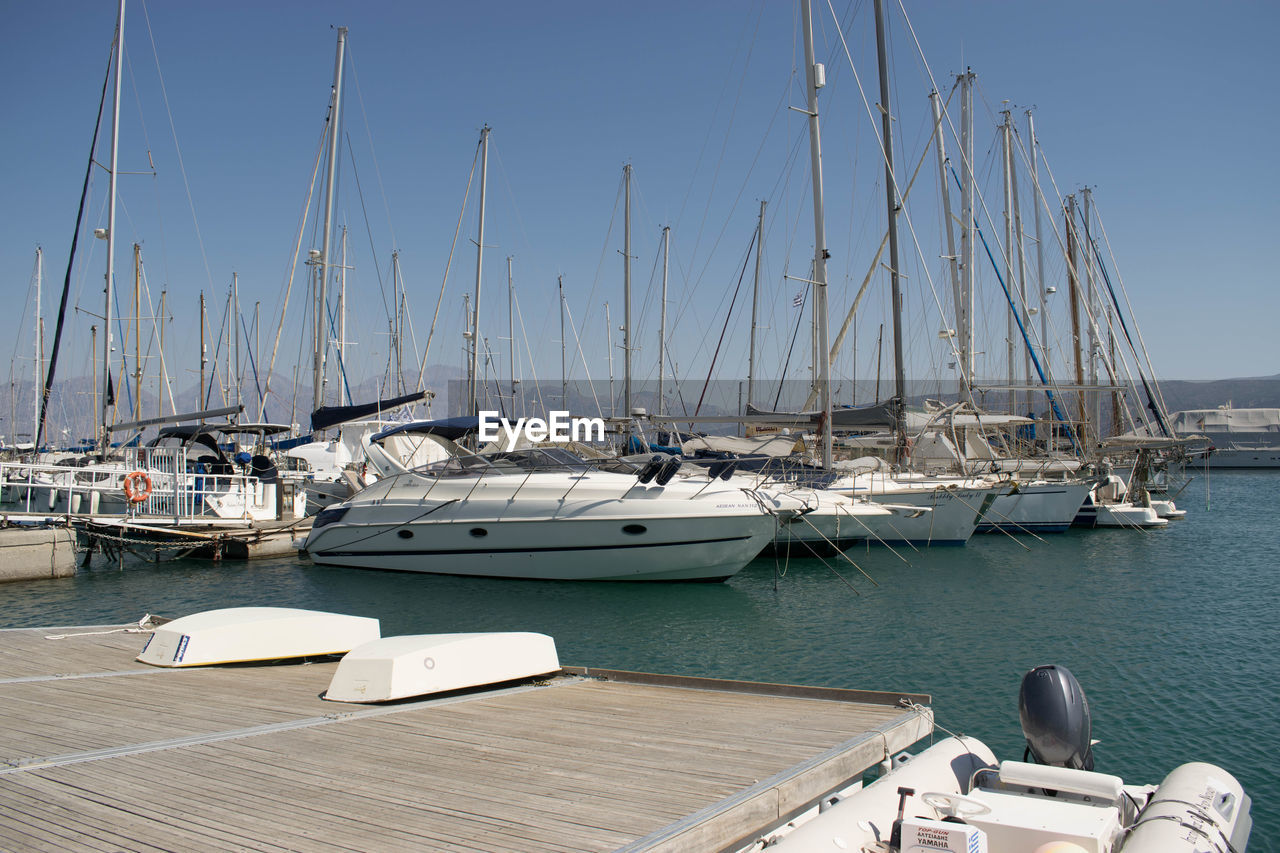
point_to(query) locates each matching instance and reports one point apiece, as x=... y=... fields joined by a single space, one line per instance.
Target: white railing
x=174 y=492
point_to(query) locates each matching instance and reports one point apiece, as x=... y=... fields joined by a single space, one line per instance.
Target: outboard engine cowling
x=1055 y=718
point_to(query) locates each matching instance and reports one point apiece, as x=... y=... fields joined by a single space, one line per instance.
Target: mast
x=39 y=344
x=323 y=262
x=1073 y=286
x=662 y=323
x=137 y=332
x=815 y=77
x=204 y=352
x=608 y=339
x=755 y=309
x=1044 y=296
x=1010 y=321
x=103 y=435
x=564 y=376
x=891 y=199
x=1022 y=277
x=626 y=294
x=164 y=372
x=1091 y=303
x=235 y=323
x=511 y=331
x=964 y=314
x=343 y=393
x=475 y=316
x=953 y=265
x=93 y=363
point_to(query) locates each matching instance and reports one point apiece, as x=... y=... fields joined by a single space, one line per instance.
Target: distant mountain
x=1254 y=393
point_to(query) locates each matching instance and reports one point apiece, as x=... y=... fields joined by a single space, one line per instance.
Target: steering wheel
x=954 y=805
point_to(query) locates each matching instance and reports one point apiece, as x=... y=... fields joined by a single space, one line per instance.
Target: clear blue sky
x=1166 y=110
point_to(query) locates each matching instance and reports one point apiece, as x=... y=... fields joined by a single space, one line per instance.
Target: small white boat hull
x=243 y=634
x=1047 y=507
x=399 y=667
x=1127 y=515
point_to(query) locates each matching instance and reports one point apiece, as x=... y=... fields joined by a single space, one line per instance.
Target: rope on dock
x=145 y=625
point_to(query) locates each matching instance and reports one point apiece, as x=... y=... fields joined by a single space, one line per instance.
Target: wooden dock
x=100 y=752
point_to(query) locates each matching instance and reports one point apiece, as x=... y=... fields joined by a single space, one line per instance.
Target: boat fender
x=1198 y=807
x=137 y=487
x=650 y=469
x=667 y=471
x=729 y=467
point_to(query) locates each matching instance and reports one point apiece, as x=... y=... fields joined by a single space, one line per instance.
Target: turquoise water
x=1172 y=633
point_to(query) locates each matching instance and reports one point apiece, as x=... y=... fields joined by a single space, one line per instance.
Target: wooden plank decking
x=100 y=752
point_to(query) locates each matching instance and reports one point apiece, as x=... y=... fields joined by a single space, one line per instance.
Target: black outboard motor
x=1055 y=718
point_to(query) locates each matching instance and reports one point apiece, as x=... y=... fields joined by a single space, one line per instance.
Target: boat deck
x=100 y=752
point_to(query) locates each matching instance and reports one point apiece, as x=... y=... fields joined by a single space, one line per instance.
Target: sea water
x=1174 y=633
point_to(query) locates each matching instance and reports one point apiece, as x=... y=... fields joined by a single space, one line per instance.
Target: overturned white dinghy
x=244 y=634
x=400 y=667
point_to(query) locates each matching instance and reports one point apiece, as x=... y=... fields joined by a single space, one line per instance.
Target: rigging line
x=791 y=349
x=529 y=352
x=368 y=230
x=253 y=363
x=582 y=358
x=1049 y=392
x=604 y=249
x=422 y=366
x=377 y=170
x=75 y=237
x=1137 y=329
x=728 y=316
x=331 y=319
x=182 y=167
x=706 y=140
x=293 y=267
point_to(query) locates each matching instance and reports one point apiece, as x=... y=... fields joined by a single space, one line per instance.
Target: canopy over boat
x=240 y=634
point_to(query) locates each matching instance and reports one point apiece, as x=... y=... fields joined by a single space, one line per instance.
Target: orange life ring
x=137 y=487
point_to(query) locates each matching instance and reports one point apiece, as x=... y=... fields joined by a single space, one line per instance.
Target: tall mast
x=474 y=371
x=137 y=332
x=235 y=322
x=1073 y=286
x=511 y=331
x=1044 y=296
x=1011 y=328
x=1091 y=303
x=964 y=314
x=204 y=352
x=39 y=344
x=662 y=323
x=564 y=376
x=343 y=395
x=891 y=199
x=1022 y=276
x=755 y=309
x=608 y=339
x=626 y=293
x=953 y=264
x=103 y=435
x=324 y=263
x=164 y=372
x=815 y=77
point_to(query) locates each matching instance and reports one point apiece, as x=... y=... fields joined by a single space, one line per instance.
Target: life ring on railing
x=137 y=487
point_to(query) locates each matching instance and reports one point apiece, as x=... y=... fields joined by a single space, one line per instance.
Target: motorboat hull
x=621 y=547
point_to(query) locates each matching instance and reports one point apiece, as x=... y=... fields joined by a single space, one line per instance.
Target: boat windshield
x=467 y=465
x=541 y=459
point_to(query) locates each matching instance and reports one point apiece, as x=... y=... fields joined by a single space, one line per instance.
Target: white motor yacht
x=543 y=513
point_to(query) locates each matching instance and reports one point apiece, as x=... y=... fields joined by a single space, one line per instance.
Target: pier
x=100 y=752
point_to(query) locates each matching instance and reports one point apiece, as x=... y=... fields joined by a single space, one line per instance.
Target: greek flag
x=798 y=300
